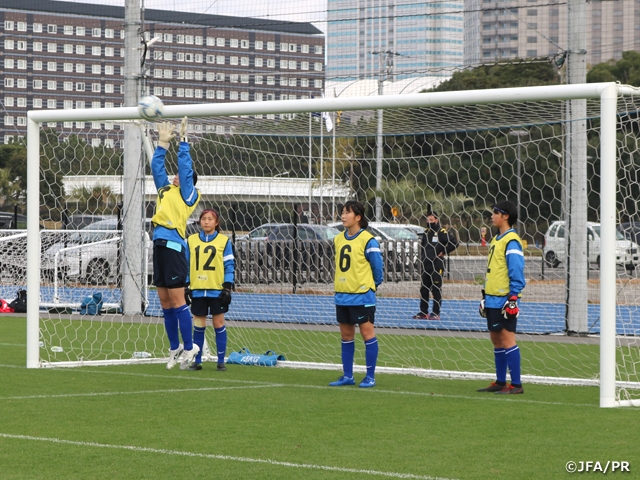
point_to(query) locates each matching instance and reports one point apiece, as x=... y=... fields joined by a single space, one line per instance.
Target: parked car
x=78 y=222
x=8 y=221
x=631 y=231
x=627 y=252
x=82 y=258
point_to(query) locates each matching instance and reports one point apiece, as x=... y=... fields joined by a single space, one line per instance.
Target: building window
x=52 y=66
x=8 y=25
x=532 y=53
x=168 y=74
x=8 y=101
x=21 y=83
x=96 y=32
x=167 y=38
x=52 y=47
x=233 y=78
x=96 y=88
x=271 y=45
x=52 y=85
x=179 y=56
x=317 y=66
x=211 y=41
x=168 y=56
x=37 y=84
x=37 y=28
x=168 y=91
x=52 y=103
x=304 y=48
x=233 y=60
x=284 y=81
x=37 y=65
x=233 y=95
x=80 y=104
x=532 y=39
x=8 y=120
x=293 y=82
x=109 y=33
x=233 y=43
x=109 y=70
x=220 y=94
x=180 y=74
x=257 y=97
x=79 y=49
x=211 y=59
x=284 y=47
x=292 y=64
x=96 y=51
x=68 y=29
x=258 y=45
x=52 y=28
x=220 y=59
x=8 y=44
x=179 y=38
x=188 y=39
x=108 y=51
x=244 y=43
x=244 y=61
x=271 y=63
x=219 y=42
x=188 y=92
x=157 y=91
x=188 y=75
x=8 y=63
x=67 y=67
x=80 y=31
x=67 y=86
x=108 y=88
x=258 y=80
x=199 y=39
x=67 y=48
x=95 y=104
x=244 y=78
x=210 y=94
x=219 y=77
x=211 y=76
x=80 y=125
x=96 y=69
x=304 y=65
x=317 y=83
x=95 y=142
x=532 y=12
x=293 y=47
x=179 y=92
x=37 y=46
x=197 y=93
x=80 y=86
x=258 y=62
x=198 y=57
x=271 y=80
x=37 y=103
x=188 y=57
x=22 y=121
x=318 y=49
x=108 y=142
x=21 y=102
x=21 y=45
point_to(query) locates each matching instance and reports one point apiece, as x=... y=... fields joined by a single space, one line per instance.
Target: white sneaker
x=174 y=355
x=188 y=356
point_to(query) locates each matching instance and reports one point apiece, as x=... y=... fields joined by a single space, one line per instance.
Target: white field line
x=485 y=397
x=221 y=457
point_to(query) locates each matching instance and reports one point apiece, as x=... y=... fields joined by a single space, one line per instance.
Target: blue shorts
x=170 y=267
x=203 y=306
x=496 y=321
x=355 y=315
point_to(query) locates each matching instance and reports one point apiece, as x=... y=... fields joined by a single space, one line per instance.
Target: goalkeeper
x=175 y=203
x=358 y=274
x=211 y=274
x=503 y=286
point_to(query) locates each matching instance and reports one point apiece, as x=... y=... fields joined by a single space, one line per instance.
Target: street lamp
x=519 y=134
x=283 y=174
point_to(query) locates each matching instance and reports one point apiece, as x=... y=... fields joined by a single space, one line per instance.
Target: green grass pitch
x=143 y=421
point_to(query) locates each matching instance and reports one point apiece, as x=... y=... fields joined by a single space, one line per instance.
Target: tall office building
x=413 y=38
x=525 y=29
x=70 y=55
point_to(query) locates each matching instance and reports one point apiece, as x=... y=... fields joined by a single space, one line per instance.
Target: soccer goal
x=567 y=155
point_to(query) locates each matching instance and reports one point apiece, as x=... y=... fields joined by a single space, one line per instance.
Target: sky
x=313 y=11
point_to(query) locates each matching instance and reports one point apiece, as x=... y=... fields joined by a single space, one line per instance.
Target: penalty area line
x=222 y=457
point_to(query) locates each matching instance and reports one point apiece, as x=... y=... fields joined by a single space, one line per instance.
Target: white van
x=627 y=252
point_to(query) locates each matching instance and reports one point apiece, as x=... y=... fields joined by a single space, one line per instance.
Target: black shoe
x=421 y=316
x=494 y=387
x=222 y=367
x=195 y=366
x=511 y=390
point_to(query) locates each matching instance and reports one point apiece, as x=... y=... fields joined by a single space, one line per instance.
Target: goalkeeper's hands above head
x=165 y=134
x=183 y=130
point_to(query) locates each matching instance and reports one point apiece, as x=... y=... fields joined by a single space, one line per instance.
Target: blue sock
x=501 y=365
x=198 y=339
x=171 y=326
x=186 y=326
x=221 y=342
x=348 y=351
x=371 y=356
x=513 y=360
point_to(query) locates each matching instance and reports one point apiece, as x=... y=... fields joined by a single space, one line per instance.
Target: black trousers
x=431 y=282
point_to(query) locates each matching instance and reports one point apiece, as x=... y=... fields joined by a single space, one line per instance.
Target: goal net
x=568 y=156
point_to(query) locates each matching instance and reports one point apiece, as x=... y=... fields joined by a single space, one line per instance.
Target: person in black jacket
x=436 y=243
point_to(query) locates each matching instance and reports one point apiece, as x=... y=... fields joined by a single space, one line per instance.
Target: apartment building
x=496 y=30
x=59 y=55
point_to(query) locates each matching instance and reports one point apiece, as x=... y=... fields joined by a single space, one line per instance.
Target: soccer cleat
x=343 y=381
x=195 y=366
x=221 y=367
x=494 y=387
x=188 y=356
x=421 y=316
x=367 y=382
x=433 y=316
x=510 y=390
x=174 y=355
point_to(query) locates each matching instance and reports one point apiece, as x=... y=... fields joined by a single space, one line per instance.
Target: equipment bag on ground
x=91 y=305
x=245 y=357
x=19 y=305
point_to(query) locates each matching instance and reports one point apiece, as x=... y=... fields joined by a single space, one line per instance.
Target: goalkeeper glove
x=481 y=309
x=165 y=134
x=225 y=294
x=183 y=130
x=188 y=295
x=510 y=309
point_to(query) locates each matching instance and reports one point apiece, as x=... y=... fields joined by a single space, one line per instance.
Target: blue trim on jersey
x=374 y=257
x=515 y=265
x=185 y=174
x=229 y=266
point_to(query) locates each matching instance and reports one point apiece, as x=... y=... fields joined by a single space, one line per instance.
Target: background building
x=521 y=28
x=70 y=55
x=422 y=38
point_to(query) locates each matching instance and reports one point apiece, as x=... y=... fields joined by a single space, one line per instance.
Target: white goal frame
x=607 y=93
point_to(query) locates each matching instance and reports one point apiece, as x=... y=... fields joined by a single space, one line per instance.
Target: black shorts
x=203 y=306
x=170 y=267
x=496 y=321
x=355 y=315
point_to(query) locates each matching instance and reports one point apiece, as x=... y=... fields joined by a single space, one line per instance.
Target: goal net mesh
x=264 y=173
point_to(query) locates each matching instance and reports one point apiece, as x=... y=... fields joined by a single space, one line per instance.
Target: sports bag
x=91 y=305
x=245 y=357
x=4 y=307
x=19 y=305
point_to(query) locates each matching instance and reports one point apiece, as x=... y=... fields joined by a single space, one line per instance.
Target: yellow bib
x=206 y=269
x=497 y=279
x=353 y=271
x=171 y=211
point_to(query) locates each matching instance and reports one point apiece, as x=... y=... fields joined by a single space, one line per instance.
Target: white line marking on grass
x=222 y=457
x=138 y=392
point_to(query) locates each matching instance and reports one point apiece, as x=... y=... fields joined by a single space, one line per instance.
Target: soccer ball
x=151 y=107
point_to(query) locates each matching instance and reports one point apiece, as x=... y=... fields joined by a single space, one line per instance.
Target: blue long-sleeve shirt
x=229 y=266
x=374 y=257
x=515 y=266
x=188 y=190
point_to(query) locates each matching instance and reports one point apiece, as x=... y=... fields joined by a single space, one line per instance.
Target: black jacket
x=433 y=244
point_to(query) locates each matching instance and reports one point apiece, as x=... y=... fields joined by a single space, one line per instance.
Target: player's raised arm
x=158 y=169
x=185 y=167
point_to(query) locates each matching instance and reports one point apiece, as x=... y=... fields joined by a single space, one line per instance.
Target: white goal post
x=606 y=93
